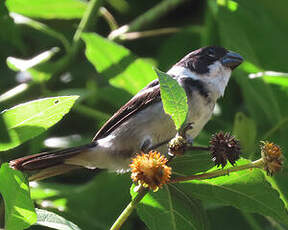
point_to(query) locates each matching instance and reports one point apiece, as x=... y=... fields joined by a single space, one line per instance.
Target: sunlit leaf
x=117 y=64
x=48 y=9
x=28 y=120
x=19 y=208
x=174 y=98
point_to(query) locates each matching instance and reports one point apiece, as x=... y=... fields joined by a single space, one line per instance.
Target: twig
x=147 y=33
x=256 y=164
x=148 y=17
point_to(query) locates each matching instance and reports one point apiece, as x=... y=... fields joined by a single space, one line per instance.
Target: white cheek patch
x=182 y=71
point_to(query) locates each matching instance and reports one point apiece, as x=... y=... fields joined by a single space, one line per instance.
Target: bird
x=142 y=122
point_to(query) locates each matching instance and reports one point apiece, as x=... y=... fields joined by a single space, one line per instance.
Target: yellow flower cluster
x=150 y=170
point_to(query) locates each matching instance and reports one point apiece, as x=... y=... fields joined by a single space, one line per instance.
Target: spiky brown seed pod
x=150 y=170
x=272 y=156
x=177 y=146
x=223 y=147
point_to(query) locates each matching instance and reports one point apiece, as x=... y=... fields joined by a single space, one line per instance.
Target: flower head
x=177 y=146
x=224 y=147
x=272 y=156
x=150 y=170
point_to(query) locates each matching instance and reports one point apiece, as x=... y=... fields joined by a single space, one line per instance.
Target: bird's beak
x=231 y=60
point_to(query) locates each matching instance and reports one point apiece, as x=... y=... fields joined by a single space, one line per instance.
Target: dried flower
x=150 y=170
x=177 y=145
x=272 y=156
x=224 y=147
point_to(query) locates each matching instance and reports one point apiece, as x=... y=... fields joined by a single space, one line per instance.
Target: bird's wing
x=147 y=96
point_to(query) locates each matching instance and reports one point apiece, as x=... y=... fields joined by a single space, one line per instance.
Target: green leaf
x=174 y=98
x=117 y=64
x=48 y=9
x=171 y=208
x=247 y=190
x=191 y=162
x=28 y=120
x=245 y=130
x=19 y=208
x=52 y=220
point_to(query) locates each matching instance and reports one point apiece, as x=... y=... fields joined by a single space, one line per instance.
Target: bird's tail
x=47 y=164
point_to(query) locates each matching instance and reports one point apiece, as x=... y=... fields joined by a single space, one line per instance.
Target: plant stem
x=148 y=17
x=129 y=208
x=255 y=164
x=92 y=8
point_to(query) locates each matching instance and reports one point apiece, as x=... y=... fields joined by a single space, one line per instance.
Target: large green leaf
x=48 y=9
x=174 y=98
x=247 y=190
x=191 y=162
x=171 y=208
x=28 y=120
x=52 y=220
x=117 y=63
x=19 y=208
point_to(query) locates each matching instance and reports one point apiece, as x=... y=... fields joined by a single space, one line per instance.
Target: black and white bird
x=142 y=122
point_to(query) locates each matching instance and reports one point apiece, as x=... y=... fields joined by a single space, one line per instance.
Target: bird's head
x=211 y=64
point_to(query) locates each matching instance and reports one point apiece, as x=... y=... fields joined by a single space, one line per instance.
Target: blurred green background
x=255 y=106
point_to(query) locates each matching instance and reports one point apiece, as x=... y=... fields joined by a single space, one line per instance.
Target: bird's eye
x=211 y=53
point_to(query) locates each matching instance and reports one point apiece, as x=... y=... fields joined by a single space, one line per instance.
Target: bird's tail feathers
x=49 y=163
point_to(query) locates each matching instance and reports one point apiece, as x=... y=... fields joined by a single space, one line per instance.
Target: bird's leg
x=184 y=133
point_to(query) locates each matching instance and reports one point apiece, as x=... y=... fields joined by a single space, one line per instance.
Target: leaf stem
x=129 y=208
x=221 y=172
x=148 y=17
x=109 y=18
